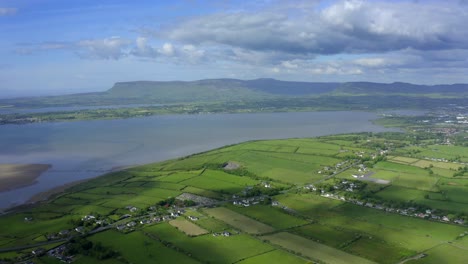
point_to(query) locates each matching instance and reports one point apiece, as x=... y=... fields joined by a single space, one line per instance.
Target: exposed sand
x=13 y=176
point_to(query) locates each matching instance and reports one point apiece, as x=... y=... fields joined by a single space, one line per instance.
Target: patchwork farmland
x=288 y=201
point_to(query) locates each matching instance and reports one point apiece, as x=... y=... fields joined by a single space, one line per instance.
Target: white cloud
x=372 y=62
x=167 y=49
x=289 y=64
x=107 y=48
x=351 y=26
x=143 y=49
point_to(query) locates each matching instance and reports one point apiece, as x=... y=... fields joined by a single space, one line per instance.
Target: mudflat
x=13 y=176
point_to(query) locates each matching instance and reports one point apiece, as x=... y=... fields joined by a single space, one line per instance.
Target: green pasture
x=221 y=249
x=310 y=205
x=269 y=215
x=135 y=247
x=275 y=256
x=372 y=248
x=313 y=250
x=202 y=192
x=179 y=176
x=332 y=236
x=239 y=221
x=444 y=253
x=401 y=168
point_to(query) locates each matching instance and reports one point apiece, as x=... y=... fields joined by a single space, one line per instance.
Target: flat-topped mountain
x=217 y=90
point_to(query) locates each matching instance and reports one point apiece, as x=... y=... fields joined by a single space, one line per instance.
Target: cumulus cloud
x=143 y=49
x=344 y=37
x=352 y=26
x=348 y=38
x=185 y=52
x=375 y=62
x=107 y=48
x=7 y=11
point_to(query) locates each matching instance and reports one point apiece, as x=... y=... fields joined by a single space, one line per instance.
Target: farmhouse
x=64 y=232
x=88 y=218
x=38 y=252
x=193 y=218
x=174 y=214
x=145 y=221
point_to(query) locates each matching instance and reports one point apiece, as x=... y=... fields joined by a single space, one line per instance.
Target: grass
x=331 y=236
x=179 y=176
x=187 y=227
x=276 y=256
x=211 y=224
x=443 y=254
x=219 y=181
x=269 y=215
x=374 y=249
x=208 y=248
x=239 y=221
x=406 y=160
x=135 y=247
x=315 y=227
x=202 y=192
x=313 y=250
x=310 y=205
x=434 y=200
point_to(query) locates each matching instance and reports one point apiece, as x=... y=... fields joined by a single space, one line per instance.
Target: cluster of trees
x=258 y=190
x=80 y=245
x=461 y=171
x=173 y=201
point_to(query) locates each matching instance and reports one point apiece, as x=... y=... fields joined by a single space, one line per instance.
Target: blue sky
x=61 y=46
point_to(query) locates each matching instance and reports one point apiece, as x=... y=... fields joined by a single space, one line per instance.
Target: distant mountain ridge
x=216 y=90
x=272 y=86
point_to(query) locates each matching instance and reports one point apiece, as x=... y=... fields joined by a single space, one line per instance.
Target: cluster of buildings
x=410 y=211
x=153 y=219
x=224 y=233
x=247 y=201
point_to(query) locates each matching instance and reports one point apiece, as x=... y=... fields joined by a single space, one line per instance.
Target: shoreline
x=54 y=192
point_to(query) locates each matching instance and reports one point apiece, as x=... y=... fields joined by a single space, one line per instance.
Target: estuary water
x=85 y=149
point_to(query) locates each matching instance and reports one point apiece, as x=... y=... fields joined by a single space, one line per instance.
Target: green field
x=239 y=221
x=276 y=256
x=274 y=217
x=221 y=249
x=138 y=248
x=286 y=222
x=187 y=227
x=313 y=250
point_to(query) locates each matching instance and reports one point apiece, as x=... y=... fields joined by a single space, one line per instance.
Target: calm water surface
x=85 y=149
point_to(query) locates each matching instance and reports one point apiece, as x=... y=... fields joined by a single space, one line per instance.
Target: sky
x=60 y=46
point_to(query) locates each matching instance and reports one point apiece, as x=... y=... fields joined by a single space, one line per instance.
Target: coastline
x=44 y=196
x=156 y=152
x=54 y=192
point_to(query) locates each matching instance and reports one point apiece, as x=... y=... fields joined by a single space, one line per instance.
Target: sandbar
x=14 y=176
